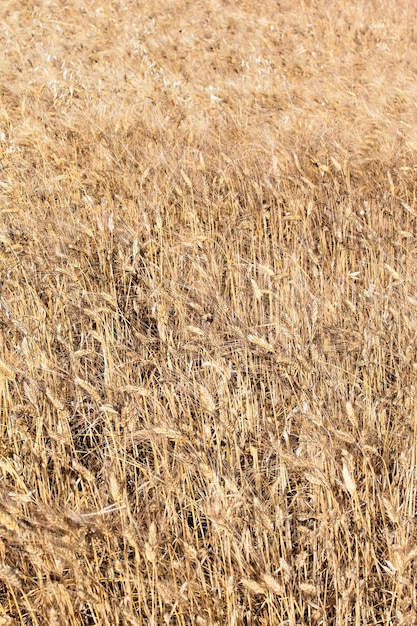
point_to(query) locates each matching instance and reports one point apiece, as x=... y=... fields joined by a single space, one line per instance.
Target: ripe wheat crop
x=208 y=308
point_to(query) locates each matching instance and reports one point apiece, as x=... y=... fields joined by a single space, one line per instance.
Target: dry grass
x=208 y=313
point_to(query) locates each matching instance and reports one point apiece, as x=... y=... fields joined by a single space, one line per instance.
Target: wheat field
x=208 y=308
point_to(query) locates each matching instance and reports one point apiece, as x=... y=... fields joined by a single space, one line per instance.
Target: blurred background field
x=208 y=308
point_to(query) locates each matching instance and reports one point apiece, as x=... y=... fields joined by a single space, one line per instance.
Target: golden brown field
x=208 y=312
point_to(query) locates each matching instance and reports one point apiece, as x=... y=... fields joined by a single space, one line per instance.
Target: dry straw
x=208 y=313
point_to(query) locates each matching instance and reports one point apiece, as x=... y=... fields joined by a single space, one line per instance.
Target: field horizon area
x=208 y=308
